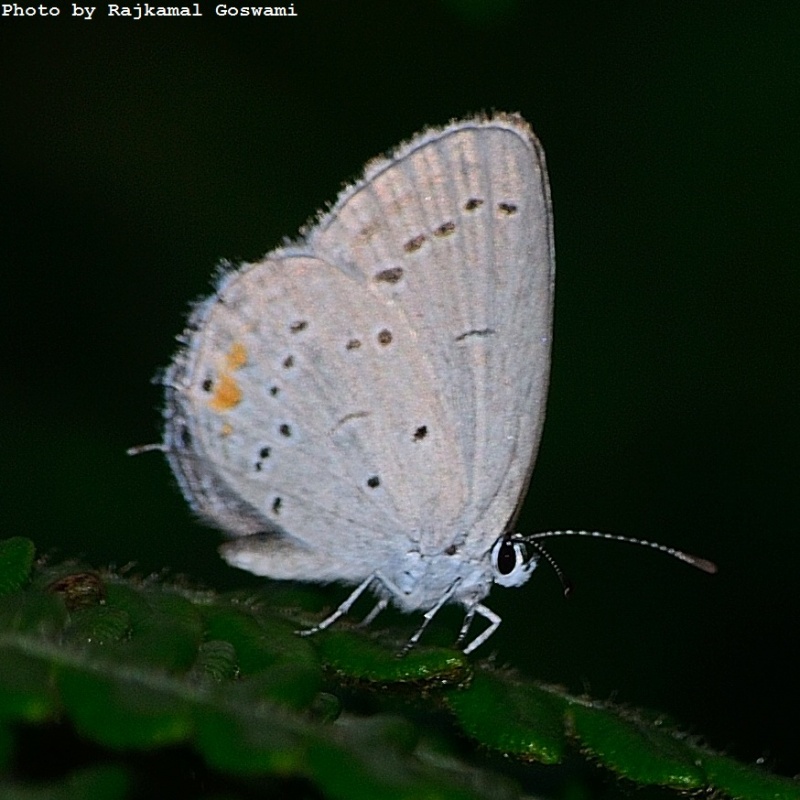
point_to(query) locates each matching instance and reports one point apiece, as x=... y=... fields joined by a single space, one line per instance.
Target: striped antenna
x=695 y=561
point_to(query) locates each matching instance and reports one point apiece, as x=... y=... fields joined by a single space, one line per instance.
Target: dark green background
x=135 y=155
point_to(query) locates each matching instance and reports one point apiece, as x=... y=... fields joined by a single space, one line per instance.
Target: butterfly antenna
x=695 y=561
x=566 y=583
x=145 y=448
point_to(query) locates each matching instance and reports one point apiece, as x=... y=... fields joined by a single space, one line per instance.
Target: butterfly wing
x=383 y=381
x=456 y=232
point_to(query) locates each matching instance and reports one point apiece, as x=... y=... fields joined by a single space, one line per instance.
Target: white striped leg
x=343 y=608
x=379 y=606
x=494 y=623
x=427 y=617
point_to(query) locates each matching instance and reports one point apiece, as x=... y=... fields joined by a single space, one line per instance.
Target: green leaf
x=140 y=666
x=26 y=691
x=736 y=780
x=354 y=655
x=125 y=707
x=512 y=716
x=636 y=749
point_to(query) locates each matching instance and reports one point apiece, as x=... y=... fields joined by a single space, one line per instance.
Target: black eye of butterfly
x=507 y=557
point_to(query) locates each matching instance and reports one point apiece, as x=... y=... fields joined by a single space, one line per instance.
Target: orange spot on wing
x=237 y=356
x=227 y=394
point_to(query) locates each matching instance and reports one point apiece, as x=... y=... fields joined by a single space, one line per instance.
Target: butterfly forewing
x=457 y=233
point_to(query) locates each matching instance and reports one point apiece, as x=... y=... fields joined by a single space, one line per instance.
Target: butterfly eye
x=511 y=563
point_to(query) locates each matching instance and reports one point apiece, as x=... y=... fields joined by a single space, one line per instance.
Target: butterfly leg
x=462 y=634
x=379 y=606
x=486 y=613
x=343 y=608
x=427 y=617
